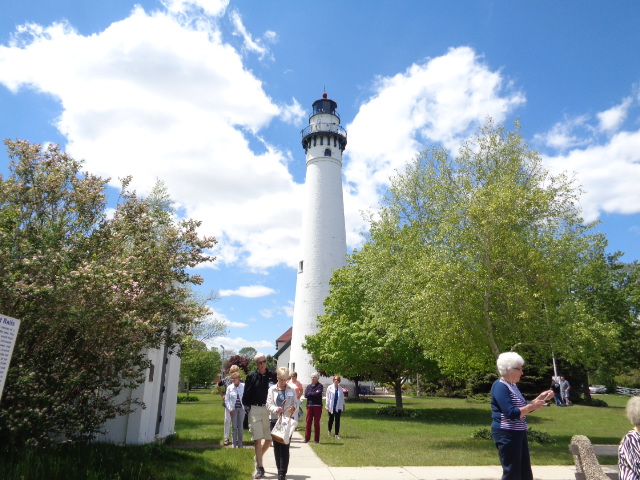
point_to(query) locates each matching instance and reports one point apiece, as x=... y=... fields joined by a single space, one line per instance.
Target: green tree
x=248 y=352
x=364 y=332
x=199 y=366
x=92 y=292
x=492 y=241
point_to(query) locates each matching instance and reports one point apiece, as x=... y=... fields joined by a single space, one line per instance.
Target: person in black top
x=313 y=394
x=256 y=387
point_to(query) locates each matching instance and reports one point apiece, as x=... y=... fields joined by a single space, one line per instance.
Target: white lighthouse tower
x=323 y=242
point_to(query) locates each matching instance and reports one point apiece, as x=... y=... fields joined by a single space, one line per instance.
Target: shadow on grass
x=99 y=462
x=428 y=416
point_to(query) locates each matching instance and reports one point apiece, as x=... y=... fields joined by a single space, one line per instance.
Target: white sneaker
x=338 y=438
x=329 y=433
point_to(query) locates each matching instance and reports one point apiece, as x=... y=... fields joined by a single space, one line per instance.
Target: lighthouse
x=323 y=240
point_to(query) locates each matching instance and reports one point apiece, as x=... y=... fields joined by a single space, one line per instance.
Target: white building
x=323 y=240
x=159 y=392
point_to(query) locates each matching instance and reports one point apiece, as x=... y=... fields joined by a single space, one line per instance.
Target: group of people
x=561 y=391
x=265 y=396
x=509 y=428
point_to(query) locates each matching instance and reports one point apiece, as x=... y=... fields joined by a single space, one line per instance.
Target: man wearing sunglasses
x=256 y=388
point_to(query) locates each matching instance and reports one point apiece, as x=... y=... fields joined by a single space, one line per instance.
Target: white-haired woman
x=629 y=449
x=509 y=410
x=282 y=400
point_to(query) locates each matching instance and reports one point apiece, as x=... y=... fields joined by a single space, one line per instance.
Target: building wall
x=139 y=427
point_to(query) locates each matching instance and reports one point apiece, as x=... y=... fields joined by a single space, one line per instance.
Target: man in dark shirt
x=256 y=387
x=313 y=394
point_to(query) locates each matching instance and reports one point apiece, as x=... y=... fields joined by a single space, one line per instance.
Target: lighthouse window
x=327 y=153
x=300 y=264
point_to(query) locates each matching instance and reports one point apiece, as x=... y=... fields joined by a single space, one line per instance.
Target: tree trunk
x=397 y=386
x=357 y=389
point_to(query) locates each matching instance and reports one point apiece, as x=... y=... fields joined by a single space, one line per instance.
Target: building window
x=327 y=153
x=151 y=372
x=300 y=265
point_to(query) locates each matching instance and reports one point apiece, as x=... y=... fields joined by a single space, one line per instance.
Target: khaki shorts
x=259 y=423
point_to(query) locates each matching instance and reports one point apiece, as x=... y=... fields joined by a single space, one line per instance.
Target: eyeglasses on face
x=517 y=368
x=261 y=362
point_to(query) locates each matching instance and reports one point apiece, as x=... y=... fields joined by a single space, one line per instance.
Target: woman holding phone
x=509 y=411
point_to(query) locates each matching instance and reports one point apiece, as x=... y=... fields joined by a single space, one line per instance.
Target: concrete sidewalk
x=305 y=465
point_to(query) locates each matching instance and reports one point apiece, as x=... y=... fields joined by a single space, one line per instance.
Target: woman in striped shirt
x=509 y=410
x=629 y=449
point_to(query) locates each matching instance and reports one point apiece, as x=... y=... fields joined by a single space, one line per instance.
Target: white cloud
x=221 y=317
x=565 y=134
x=249 y=43
x=611 y=120
x=158 y=96
x=293 y=113
x=210 y=7
x=155 y=96
x=442 y=100
x=253 y=291
x=287 y=310
x=609 y=173
x=238 y=343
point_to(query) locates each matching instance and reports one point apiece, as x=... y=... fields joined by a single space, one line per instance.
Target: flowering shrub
x=92 y=292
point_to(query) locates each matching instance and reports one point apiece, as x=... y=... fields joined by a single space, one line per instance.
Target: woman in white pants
x=233 y=404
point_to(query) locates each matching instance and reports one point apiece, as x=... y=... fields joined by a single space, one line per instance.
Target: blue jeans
x=513 y=450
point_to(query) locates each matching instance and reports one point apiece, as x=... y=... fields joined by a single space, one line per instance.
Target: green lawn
x=441 y=435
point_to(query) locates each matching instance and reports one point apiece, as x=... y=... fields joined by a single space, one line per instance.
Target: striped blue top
x=629 y=456
x=506 y=401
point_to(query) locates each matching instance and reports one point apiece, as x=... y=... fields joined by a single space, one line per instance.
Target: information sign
x=8 y=333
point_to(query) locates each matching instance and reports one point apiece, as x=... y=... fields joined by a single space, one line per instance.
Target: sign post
x=8 y=333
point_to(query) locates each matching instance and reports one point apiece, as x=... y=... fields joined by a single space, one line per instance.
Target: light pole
x=222 y=363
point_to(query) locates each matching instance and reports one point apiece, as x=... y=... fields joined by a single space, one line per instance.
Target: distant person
x=233 y=403
x=313 y=394
x=629 y=449
x=557 y=392
x=298 y=388
x=225 y=382
x=565 y=388
x=335 y=404
x=256 y=389
x=282 y=400
x=509 y=410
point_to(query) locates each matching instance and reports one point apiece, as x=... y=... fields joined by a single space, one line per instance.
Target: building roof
x=286 y=336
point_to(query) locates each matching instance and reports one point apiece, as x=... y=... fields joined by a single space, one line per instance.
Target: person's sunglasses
x=263 y=361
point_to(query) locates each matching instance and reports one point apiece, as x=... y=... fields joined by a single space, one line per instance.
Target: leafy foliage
x=199 y=367
x=188 y=398
x=543 y=438
x=92 y=291
x=494 y=245
x=391 y=411
x=241 y=361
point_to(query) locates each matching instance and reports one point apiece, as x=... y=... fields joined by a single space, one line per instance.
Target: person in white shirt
x=233 y=404
x=335 y=404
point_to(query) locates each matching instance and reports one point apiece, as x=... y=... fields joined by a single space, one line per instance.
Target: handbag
x=283 y=429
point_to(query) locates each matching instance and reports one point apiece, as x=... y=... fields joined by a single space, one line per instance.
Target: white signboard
x=8 y=333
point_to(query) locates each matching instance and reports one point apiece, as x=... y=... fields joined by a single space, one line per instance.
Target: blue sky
x=210 y=96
